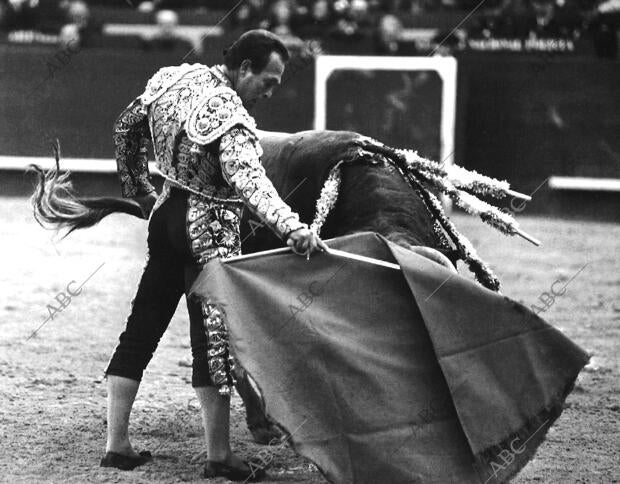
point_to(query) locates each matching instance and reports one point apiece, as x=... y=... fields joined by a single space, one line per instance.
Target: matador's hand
x=305 y=242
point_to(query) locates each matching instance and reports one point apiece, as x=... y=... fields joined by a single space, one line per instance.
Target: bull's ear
x=245 y=67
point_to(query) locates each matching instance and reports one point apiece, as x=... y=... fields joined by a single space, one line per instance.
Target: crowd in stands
x=521 y=18
x=49 y=21
x=67 y=21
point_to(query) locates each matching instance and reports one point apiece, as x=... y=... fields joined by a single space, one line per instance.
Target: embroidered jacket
x=204 y=141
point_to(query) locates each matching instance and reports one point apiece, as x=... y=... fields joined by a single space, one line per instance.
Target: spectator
x=147 y=7
x=249 y=15
x=555 y=21
x=387 y=37
x=569 y=18
x=523 y=19
x=359 y=10
x=319 y=20
x=280 y=19
x=150 y=6
x=69 y=36
x=20 y=15
x=352 y=17
x=44 y=16
x=544 y=15
x=515 y=19
x=321 y=11
x=167 y=37
x=604 y=27
x=80 y=26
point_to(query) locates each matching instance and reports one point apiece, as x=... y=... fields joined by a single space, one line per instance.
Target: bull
x=375 y=195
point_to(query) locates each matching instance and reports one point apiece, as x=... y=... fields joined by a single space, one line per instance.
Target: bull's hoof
x=269 y=435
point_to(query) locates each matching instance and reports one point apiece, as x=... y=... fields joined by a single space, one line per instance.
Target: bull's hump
x=307 y=154
x=322 y=136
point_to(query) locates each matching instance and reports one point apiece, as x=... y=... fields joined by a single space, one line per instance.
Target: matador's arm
x=242 y=169
x=131 y=138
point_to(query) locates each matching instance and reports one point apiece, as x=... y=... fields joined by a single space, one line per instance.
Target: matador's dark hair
x=257 y=46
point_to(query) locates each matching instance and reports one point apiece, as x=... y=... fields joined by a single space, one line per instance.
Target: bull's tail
x=55 y=205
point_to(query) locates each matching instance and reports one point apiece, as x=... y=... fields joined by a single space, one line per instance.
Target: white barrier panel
x=102 y=165
x=584 y=183
x=77 y=165
x=445 y=67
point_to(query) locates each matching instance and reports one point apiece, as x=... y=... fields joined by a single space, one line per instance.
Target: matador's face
x=253 y=86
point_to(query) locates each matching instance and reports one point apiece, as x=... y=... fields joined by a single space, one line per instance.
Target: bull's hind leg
x=262 y=429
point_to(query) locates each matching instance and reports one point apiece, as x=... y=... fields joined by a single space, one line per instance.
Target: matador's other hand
x=305 y=242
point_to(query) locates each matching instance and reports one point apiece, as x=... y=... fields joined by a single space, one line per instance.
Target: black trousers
x=170 y=270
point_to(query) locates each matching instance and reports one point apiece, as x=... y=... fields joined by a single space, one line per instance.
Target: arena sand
x=52 y=394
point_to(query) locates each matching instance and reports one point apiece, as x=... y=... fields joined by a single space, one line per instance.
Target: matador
x=206 y=148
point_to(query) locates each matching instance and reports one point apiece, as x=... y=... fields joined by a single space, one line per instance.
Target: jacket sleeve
x=131 y=138
x=241 y=167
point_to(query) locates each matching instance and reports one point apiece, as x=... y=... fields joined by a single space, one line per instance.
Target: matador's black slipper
x=125 y=462
x=253 y=473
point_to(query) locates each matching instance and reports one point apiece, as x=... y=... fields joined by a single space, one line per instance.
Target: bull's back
x=297 y=164
x=372 y=197
x=375 y=198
